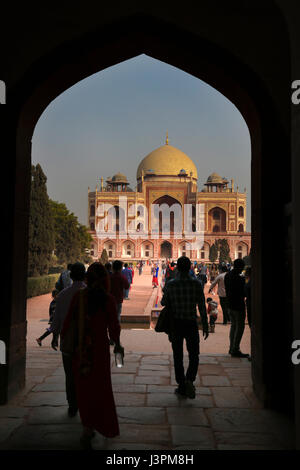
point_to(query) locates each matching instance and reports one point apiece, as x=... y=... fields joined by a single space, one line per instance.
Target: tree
x=104 y=257
x=41 y=232
x=224 y=251
x=71 y=238
x=213 y=253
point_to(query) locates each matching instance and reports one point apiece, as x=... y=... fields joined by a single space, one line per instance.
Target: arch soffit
x=222 y=207
x=171 y=44
x=147 y=242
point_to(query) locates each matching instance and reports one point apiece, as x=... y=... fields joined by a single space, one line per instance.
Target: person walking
x=118 y=285
x=171 y=272
x=128 y=274
x=234 y=286
x=63 y=301
x=202 y=274
x=221 y=293
x=181 y=297
x=64 y=279
x=213 y=272
x=93 y=313
x=51 y=314
x=155 y=276
x=140 y=266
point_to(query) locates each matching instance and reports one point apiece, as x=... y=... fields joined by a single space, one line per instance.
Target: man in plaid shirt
x=181 y=296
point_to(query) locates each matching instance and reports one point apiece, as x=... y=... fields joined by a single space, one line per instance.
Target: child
x=212 y=310
x=51 y=313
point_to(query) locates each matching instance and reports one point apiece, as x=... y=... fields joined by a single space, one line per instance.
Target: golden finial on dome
x=167 y=139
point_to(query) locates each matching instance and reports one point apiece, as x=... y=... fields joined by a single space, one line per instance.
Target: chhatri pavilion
x=131 y=225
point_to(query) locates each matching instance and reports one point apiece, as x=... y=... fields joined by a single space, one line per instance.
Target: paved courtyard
x=224 y=415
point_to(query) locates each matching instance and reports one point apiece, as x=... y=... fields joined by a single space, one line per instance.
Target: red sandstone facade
x=130 y=224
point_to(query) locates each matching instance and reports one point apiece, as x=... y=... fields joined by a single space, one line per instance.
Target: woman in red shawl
x=91 y=315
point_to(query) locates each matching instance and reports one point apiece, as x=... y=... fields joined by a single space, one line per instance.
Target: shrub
x=56 y=269
x=41 y=285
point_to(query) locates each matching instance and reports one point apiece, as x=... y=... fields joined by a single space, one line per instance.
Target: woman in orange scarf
x=91 y=315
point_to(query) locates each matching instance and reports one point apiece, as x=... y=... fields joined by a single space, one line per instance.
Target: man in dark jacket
x=181 y=296
x=118 y=284
x=234 y=286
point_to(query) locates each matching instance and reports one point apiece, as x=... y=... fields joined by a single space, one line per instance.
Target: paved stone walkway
x=224 y=415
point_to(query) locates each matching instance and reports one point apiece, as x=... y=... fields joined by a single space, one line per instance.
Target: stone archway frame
x=218 y=65
x=155 y=195
x=166 y=242
x=224 y=207
x=144 y=242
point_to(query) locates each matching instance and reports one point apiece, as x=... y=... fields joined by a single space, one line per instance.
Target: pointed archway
x=166 y=250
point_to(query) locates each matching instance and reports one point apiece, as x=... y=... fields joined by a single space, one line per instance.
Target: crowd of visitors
x=85 y=313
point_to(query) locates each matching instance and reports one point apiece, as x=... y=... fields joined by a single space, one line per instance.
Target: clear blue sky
x=110 y=121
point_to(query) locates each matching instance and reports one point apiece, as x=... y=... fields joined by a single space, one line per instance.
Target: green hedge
x=56 y=269
x=41 y=285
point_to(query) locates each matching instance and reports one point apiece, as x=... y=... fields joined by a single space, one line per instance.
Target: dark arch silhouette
x=68 y=60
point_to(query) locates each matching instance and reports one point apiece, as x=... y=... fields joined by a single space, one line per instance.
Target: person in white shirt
x=222 y=293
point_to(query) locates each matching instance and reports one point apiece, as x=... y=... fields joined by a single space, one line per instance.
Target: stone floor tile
x=132 y=357
x=35 y=379
x=45 y=398
x=50 y=387
x=163 y=399
x=215 y=381
x=154 y=373
x=122 y=379
x=197 y=381
x=55 y=379
x=9 y=411
x=210 y=369
x=129 y=388
x=171 y=388
x=187 y=416
x=59 y=371
x=207 y=359
x=252 y=398
x=250 y=421
x=129 y=399
x=141 y=415
x=238 y=440
x=133 y=446
x=198 y=436
x=8 y=426
x=230 y=397
x=51 y=415
x=246 y=382
x=32 y=371
x=155 y=357
x=154 y=367
x=129 y=367
x=42 y=437
x=229 y=359
x=144 y=434
x=152 y=380
x=201 y=401
x=156 y=361
x=238 y=372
